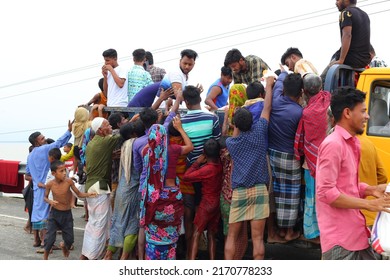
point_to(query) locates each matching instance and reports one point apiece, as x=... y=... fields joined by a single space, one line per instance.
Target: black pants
x=59 y=220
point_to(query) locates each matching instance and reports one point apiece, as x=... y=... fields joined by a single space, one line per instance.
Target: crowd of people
x=155 y=181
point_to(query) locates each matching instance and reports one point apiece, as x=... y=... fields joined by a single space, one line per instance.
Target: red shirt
x=210 y=174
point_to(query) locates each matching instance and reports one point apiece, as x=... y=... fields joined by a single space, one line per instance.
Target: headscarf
x=81 y=123
x=155 y=168
x=237 y=98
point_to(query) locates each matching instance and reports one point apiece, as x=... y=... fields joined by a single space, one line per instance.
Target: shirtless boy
x=60 y=216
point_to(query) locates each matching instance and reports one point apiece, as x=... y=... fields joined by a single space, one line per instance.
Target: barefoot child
x=60 y=216
x=208 y=170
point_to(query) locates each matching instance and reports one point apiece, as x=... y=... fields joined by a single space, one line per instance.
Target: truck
x=375 y=83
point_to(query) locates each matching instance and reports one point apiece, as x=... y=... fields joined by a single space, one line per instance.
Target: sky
x=52 y=51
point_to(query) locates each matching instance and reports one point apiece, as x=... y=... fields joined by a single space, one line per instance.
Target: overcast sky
x=52 y=51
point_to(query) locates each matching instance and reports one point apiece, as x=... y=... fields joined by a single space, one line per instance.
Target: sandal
x=55 y=247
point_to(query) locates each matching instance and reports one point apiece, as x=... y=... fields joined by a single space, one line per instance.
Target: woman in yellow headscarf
x=80 y=125
x=237 y=98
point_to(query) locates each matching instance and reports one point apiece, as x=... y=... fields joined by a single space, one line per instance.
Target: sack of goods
x=380 y=235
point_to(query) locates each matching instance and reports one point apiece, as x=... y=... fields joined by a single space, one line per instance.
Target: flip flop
x=55 y=247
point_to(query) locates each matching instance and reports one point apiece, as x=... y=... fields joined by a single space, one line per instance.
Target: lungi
x=97 y=230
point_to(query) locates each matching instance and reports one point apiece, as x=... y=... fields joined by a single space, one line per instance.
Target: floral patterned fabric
x=161 y=207
x=160 y=252
x=237 y=98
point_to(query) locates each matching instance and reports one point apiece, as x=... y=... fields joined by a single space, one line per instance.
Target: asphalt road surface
x=16 y=244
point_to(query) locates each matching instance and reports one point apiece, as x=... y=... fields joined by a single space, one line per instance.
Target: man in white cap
x=98 y=166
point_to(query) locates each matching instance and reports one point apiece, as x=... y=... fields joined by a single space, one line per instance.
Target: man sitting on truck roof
x=355 y=37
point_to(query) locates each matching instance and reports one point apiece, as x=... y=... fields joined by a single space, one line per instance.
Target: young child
x=208 y=170
x=255 y=92
x=68 y=157
x=60 y=216
x=39 y=236
x=98 y=102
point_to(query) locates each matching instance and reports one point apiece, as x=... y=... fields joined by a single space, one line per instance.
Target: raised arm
x=268 y=98
x=118 y=80
x=105 y=85
x=188 y=146
x=176 y=104
x=177 y=88
x=164 y=95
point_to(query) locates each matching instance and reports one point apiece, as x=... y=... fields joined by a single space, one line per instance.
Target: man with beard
x=340 y=195
x=36 y=171
x=176 y=79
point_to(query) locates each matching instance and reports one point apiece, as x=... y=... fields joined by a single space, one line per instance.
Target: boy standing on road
x=60 y=216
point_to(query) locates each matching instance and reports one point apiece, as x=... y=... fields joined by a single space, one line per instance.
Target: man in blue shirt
x=286 y=170
x=36 y=170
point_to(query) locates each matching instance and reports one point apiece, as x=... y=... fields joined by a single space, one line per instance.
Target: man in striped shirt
x=199 y=126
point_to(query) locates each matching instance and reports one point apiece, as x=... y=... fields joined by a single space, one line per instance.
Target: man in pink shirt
x=339 y=194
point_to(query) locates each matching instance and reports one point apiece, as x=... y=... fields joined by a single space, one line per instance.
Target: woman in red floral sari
x=162 y=209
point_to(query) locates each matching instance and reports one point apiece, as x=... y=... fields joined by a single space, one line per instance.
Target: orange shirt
x=102 y=100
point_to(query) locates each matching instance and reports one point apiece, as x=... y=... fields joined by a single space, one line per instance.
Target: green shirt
x=99 y=160
x=254 y=70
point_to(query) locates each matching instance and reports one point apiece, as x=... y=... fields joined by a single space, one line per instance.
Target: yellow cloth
x=185 y=187
x=303 y=67
x=237 y=98
x=371 y=171
x=250 y=102
x=81 y=123
x=103 y=100
x=68 y=156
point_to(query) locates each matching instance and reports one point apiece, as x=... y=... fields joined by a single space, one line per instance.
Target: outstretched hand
x=201 y=159
x=159 y=115
x=134 y=118
x=92 y=194
x=270 y=81
x=200 y=87
x=70 y=125
x=177 y=123
x=165 y=94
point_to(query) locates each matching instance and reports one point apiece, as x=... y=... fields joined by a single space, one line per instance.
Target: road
x=16 y=244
